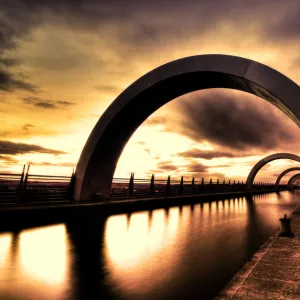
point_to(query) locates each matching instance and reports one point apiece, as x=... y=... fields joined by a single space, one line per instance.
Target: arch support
x=284 y=173
x=98 y=160
x=264 y=161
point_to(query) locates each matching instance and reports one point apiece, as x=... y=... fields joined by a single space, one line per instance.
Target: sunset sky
x=63 y=62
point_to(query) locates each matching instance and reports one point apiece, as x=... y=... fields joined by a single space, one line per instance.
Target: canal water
x=187 y=252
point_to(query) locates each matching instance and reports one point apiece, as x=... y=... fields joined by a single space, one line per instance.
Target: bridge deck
x=272 y=273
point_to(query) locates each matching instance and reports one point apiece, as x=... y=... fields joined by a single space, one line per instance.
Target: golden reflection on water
x=142 y=251
x=5 y=241
x=43 y=254
x=36 y=267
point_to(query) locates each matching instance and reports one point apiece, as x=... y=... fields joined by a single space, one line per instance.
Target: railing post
x=193 y=185
x=202 y=181
x=152 y=185
x=229 y=182
x=23 y=191
x=181 y=186
x=20 y=188
x=130 y=186
x=168 y=187
x=224 y=181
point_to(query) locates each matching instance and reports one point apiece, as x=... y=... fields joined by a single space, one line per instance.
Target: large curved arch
x=284 y=173
x=264 y=161
x=293 y=179
x=131 y=108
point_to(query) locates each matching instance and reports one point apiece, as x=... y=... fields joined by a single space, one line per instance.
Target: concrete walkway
x=273 y=272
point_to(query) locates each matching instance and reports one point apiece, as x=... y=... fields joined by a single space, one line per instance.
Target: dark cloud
x=196 y=167
x=26 y=127
x=46 y=104
x=8 y=159
x=132 y=21
x=233 y=120
x=167 y=166
x=204 y=154
x=11 y=148
x=9 y=62
x=287 y=27
x=10 y=83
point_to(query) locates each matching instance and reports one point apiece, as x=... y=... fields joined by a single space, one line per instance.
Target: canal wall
x=20 y=216
x=273 y=272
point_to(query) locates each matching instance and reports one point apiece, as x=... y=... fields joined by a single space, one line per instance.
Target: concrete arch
x=293 y=179
x=284 y=173
x=264 y=161
x=135 y=104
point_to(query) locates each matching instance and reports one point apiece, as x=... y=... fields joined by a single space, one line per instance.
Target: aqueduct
x=264 y=161
x=98 y=160
x=284 y=173
x=293 y=179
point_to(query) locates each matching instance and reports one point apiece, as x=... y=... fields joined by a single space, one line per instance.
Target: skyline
x=62 y=65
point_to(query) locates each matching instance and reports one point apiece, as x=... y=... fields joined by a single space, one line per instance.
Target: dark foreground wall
x=15 y=217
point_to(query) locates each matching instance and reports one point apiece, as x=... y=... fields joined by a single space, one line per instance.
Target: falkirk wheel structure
x=284 y=173
x=264 y=161
x=99 y=157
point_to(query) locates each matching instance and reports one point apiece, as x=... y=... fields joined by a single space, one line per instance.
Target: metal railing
x=31 y=188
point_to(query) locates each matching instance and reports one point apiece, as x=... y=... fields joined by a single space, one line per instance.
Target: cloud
x=105 y=88
x=8 y=159
x=9 y=83
x=196 y=167
x=48 y=164
x=167 y=166
x=46 y=104
x=207 y=154
x=11 y=148
x=9 y=62
x=233 y=120
x=26 y=127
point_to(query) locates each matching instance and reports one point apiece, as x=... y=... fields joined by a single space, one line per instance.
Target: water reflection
x=190 y=251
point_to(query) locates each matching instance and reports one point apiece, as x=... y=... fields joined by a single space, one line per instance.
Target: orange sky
x=62 y=64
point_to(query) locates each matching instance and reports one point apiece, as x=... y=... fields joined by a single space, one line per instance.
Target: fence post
x=181 y=186
x=224 y=181
x=152 y=185
x=202 y=181
x=130 y=186
x=168 y=187
x=229 y=182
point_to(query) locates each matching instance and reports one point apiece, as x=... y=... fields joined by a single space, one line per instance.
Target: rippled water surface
x=187 y=252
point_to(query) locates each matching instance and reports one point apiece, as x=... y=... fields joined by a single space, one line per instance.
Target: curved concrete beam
x=264 y=161
x=293 y=179
x=284 y=173
x=134 y=105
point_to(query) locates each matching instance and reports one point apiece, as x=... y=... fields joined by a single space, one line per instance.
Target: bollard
x=285 y=226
